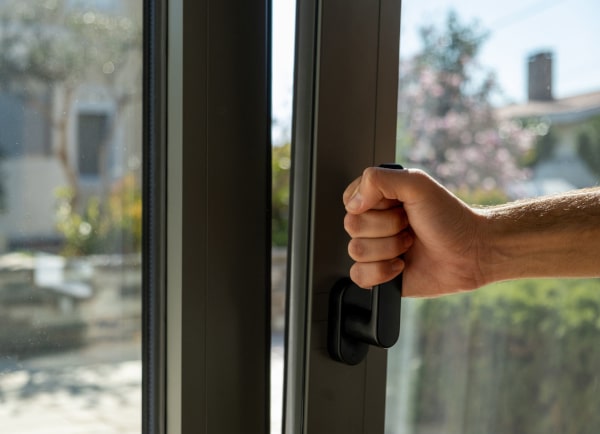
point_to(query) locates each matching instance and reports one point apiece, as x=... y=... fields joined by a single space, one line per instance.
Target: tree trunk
x=61 y=123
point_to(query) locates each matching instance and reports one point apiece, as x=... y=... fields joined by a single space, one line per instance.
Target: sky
x=283 y=67
x=517 y=28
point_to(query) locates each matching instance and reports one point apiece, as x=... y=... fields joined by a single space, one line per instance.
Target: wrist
x=503 y=249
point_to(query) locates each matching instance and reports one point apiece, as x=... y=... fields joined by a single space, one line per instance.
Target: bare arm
x=448 y=247
x=556 y=236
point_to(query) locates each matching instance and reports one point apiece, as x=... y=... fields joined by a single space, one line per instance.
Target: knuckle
x=358 y=275
x=368 y=172
x=368 y=275
x=422 y=177
x=418 y=172
x=352 y=224
x=370 y=175
x=356 y=250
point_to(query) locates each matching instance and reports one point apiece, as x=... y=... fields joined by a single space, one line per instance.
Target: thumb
x=376 y=185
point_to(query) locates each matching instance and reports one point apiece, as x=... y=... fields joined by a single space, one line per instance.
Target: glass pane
x=70 y=217
x=500 y=102
x=283 y=34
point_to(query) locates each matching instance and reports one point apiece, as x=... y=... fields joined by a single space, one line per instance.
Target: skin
x=403 y=221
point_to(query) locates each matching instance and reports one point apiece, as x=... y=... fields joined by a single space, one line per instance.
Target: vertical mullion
x=195 y=352
x=218 y=374
x=154 y=220
x=388 y=59
x=298 y=298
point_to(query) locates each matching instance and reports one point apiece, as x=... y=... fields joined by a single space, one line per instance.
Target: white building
x=562 y=167
x=94 y=116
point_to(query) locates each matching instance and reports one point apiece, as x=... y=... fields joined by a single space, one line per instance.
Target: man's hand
x=404 y=221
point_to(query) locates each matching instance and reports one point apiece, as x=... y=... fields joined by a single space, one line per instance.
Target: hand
x=405 y=212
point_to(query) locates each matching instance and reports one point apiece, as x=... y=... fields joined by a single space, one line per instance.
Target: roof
x=565 y=110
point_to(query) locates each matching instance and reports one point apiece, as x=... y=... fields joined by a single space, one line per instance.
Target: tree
x=113 y=228
x=49 y=48
x=447 y=123
x=280 y=165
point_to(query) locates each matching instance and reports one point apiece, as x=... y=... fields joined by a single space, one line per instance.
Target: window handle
x=360 y=317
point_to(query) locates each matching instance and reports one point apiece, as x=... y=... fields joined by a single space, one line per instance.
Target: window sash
x=344 y=120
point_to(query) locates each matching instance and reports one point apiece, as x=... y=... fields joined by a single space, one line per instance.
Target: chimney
x=540 y=77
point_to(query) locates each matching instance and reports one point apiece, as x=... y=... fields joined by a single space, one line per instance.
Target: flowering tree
x=446 y=120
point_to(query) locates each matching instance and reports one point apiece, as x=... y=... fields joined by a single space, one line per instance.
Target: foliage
x=481 y=196
x=125 y=216
x=82 y=230
x=110 y=226
x=588 y=144
x=52 y=41
x=281 y=163
x=544 y=145
x=446 y=120
x=516 y=357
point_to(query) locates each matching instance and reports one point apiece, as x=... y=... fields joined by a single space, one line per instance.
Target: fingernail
x=355 y=202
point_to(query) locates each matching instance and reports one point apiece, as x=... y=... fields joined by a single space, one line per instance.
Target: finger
x=375 y=223
x=379 y=249
x=378 y=184
x=361 y=195
x=369 y=274
x=352 y=189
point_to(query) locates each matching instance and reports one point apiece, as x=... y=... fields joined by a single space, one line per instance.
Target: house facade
x=559 y=164
x=80 y=130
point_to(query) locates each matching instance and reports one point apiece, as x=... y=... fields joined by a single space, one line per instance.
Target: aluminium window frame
x=154 y=186
x=207 y=201
x=345 y=111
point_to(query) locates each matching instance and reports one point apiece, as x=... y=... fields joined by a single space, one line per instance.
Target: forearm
x=546 y=237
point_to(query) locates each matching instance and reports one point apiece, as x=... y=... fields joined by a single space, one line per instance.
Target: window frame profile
x=345 y=104
x=154 y=218
x=207 y=216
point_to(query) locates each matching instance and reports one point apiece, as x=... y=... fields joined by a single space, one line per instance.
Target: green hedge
x=517 y=357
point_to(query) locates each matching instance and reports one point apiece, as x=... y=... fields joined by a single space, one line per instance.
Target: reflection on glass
x=517 y=356
x=70 y=217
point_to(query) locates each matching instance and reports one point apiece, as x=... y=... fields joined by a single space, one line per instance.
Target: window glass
x=500 y=101
x=70 y=216
x=283 y=30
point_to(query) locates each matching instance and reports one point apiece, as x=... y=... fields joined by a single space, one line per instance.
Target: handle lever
x=360 y=317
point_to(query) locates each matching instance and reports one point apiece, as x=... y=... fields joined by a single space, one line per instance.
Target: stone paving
x=87 y=399
x=66 y=394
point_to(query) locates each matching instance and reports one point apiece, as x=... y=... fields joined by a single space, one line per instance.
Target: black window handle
x=360 y=317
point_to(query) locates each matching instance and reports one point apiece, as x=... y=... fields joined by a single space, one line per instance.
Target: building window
x=92 y=134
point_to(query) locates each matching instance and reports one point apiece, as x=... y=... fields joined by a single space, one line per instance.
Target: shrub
x=110 y=226
x=516 y=357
